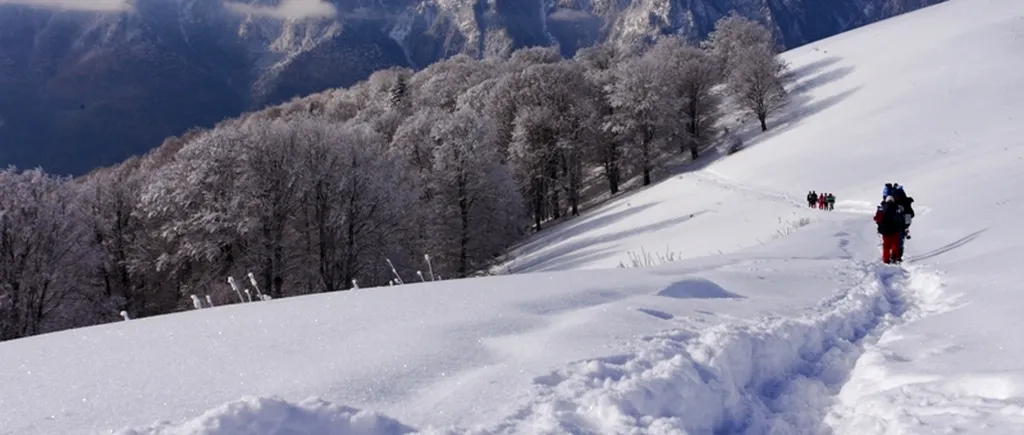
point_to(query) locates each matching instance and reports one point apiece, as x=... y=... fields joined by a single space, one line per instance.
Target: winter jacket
x=889 y=217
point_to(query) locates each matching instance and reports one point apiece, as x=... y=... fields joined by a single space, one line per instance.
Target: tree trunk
x=648 y=137
x=556 y=211
x=611 y=168
x=538 y=202
x=463 y=228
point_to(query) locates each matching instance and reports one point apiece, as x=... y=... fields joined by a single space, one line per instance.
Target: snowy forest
x=406 y=176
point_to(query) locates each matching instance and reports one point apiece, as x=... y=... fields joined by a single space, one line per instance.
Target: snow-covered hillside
x=773 y=318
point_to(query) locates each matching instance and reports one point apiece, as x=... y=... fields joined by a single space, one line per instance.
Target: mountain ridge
x=91 y=88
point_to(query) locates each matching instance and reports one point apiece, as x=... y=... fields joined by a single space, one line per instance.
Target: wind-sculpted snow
x=776 y=374
x=263 y=415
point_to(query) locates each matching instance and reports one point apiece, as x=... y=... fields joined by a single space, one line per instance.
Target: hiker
x=886 y=190
x=812 y=198
x=890 y=219
x=821 y=201
x=830 y=200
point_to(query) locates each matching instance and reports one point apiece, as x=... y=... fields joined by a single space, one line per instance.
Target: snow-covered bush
x=647 y=259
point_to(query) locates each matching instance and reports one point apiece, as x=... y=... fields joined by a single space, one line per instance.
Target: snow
x=773 y=318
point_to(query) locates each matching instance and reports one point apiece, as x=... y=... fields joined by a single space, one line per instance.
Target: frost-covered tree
x=643 y=112
x=599 y=63
x=555 y=113
x=355 y=196
x=187 y=204
x=414 y=141
x=734 y=33
x=529 y=56
x=475 y=213
x=47 y=257
x=757 y=82
x=265 y=192
x=441 y=84
x=748 y=54
x=111 y=198
x=496 y=99
x=691 y=76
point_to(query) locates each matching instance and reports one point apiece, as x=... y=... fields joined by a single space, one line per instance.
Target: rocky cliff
x=91 y=82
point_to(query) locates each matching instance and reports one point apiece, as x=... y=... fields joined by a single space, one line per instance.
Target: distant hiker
x=812 y=198
x=886 y=191
x=821 y=201
x=890 y=220
x=830 y=199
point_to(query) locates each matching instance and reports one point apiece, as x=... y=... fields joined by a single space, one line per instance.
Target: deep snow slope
x=774 y=319
x=938 y=106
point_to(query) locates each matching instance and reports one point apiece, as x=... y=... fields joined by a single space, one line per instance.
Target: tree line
x=357 y=186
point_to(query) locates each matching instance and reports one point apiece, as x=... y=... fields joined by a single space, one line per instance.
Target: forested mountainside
x=90 y=83
x=407 y=175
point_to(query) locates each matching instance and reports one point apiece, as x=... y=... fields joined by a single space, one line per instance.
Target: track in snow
x=770 y=375
x=761 y=376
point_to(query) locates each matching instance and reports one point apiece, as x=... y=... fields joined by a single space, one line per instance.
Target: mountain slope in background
x=81 y=89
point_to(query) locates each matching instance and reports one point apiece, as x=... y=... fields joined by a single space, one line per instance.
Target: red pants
x=890 y=244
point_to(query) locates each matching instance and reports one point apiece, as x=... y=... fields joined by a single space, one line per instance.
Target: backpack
x=891 y=218
x=899 y=195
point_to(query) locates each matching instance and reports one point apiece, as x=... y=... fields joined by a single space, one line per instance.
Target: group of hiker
x=823 y=201
x=893 y=217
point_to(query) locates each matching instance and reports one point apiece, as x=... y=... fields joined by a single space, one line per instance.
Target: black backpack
x=892 y=218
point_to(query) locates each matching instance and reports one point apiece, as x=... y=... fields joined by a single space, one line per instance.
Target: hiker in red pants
x=889 y=217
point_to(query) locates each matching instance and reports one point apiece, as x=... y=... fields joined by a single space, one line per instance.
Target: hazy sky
x=286 y=9
x=83 y=5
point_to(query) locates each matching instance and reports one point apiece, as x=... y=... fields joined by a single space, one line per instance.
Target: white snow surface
x=773 y=319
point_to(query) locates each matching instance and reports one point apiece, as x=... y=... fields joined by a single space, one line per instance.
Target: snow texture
x=773 y=318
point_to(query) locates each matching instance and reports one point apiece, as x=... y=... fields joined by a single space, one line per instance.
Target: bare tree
x=112 y=197
x=747 y=53
x=643 y=112
x=757 y=82
x=356 y=196
x=46 y=257
x=734 y=33
x=475 y=215
x=599 y=63
x=690 y=76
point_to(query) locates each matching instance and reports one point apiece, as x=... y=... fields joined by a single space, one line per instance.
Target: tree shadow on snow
x=801 y=82
x=802 y=104
x=575 y=252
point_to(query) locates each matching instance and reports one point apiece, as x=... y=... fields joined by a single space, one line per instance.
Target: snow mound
x=274 y=416
x=696 y=288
